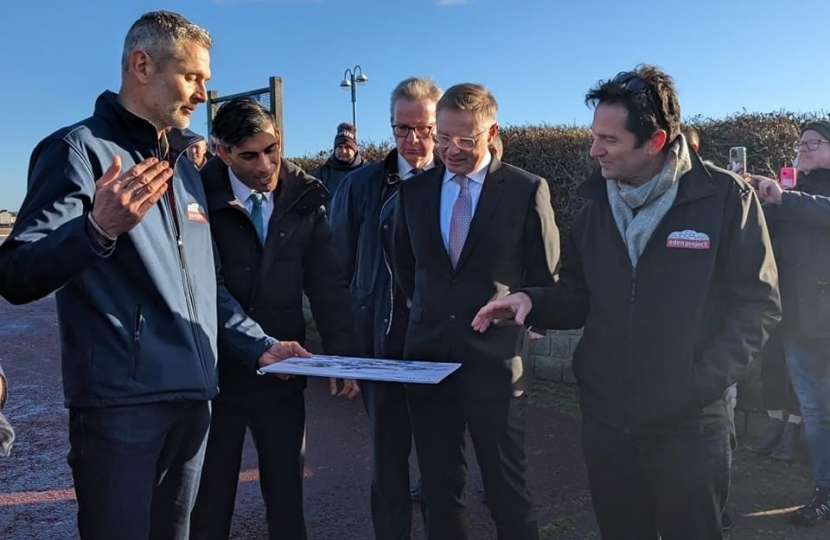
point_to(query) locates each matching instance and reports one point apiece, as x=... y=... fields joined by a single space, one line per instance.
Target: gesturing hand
x=512 y=307
x=122 y=200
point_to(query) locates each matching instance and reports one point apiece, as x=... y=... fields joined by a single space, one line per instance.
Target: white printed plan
x=368 y=369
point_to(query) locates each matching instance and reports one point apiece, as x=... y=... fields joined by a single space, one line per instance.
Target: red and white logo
x=688 y=239
x=196 y=213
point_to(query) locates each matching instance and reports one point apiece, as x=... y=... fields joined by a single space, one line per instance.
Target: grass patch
x=556 y=396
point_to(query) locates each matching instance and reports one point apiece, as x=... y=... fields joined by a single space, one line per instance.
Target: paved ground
x=37 y=501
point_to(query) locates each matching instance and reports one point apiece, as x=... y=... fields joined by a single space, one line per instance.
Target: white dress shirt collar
x=404 y=168
x=243 y=192
x=477 y=175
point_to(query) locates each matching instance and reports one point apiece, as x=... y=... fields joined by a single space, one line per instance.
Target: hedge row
x=560 y=153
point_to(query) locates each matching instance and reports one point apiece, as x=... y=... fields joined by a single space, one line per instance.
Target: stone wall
x=551 y=356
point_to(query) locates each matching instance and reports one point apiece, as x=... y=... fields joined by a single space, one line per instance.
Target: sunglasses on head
x=631 y=82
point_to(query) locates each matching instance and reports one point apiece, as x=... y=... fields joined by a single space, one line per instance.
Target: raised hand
x=122 y=200
x=769 y=191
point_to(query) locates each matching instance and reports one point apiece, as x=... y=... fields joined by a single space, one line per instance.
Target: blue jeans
x=808 y=362
x=136 y=468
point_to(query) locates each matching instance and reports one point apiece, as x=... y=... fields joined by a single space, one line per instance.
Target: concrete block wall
x=552 y=355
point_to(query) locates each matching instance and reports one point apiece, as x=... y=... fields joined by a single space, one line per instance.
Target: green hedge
x=560 y=153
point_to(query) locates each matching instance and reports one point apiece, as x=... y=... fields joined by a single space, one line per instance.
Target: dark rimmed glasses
x=809 y=145
x=402 y=130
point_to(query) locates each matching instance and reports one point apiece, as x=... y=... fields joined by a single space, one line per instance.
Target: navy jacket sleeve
x=51 y=225
x=804 y=208
x=346 y=220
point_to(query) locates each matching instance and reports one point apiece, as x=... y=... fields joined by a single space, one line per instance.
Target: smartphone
x=737 y=159
x=788 y=177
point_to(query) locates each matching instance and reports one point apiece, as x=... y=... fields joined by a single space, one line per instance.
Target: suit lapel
x=487 y=203
x=433 y=211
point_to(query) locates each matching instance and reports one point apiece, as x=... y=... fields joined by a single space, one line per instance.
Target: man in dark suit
x=469 y=230
x=274 y=242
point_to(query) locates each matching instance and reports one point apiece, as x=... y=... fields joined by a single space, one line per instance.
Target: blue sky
x=537 y=56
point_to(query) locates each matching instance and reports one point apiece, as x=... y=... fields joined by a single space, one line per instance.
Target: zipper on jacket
x=392 y=283
x=633 y=285
x=136 y=349
x=172 y=209
x=137 y=324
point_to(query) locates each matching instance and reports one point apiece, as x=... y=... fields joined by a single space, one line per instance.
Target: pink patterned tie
x=462 y=215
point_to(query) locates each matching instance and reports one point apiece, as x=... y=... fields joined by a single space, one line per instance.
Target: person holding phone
x=800 y=221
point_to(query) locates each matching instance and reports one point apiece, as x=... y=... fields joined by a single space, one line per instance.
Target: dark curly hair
x=649 y=96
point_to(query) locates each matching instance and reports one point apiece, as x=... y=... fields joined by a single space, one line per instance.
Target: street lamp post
x=351 y=78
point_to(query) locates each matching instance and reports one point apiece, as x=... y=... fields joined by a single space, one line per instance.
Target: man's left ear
x=492 y=132
x=658 y=141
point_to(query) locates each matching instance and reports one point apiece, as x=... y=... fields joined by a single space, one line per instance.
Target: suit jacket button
x=452 y=318
x=282 y=234
x=385 y=225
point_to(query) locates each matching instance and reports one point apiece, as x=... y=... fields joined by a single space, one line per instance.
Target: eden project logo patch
x=196 y=213
x=688 y=239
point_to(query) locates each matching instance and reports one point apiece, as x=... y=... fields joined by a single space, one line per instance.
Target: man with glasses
x=800 y=222
x=669 y=269
x=468 y=231
x=361 y=220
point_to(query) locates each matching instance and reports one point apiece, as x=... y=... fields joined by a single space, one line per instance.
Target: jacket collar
x=390 y=168
x=296 y=188
x=695 y=184
x=141 y=130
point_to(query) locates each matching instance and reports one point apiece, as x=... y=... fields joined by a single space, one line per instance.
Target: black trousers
x=391 y=436
x=277 y=424
x=670 y=483
x=136 y=468
x=497 y=428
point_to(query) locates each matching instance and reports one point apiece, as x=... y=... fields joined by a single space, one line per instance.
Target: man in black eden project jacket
x=274 y=241
x=669 y=269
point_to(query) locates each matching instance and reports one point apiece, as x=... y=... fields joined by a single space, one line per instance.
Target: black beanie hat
x=820 y=126
x=347 y=135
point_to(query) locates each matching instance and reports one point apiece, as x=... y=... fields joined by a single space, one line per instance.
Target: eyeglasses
x=810 y=145
x=630 y=81
x=402 y=130
x=462 y=143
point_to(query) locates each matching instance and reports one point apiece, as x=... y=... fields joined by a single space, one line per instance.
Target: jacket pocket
x=138 y=322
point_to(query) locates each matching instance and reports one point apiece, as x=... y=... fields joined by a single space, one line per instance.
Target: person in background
x=198 y=153
x=344 y=159
x=800 y=222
